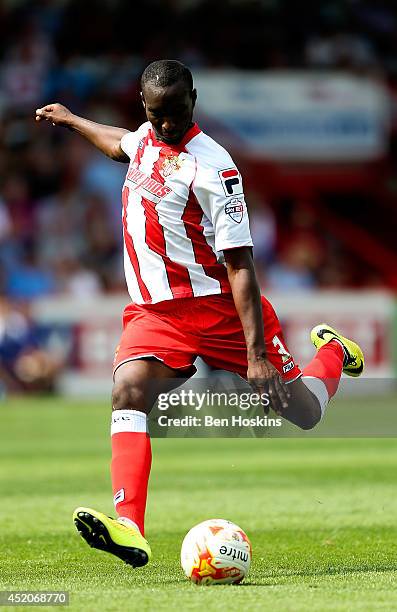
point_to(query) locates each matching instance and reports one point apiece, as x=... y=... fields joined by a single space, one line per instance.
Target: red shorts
x=178 y=331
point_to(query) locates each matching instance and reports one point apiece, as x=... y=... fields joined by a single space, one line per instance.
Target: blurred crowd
x=31 y=355
x=60 y=226
x=60 y=201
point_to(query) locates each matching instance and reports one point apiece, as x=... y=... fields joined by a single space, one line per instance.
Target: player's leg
x=304 y=407
x=224 y=347
x=137 y=385
x=155 y=355
x=311 y=393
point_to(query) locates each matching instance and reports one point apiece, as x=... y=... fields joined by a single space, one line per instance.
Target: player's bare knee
x=310 y=421
x=126 y=395
x=311 y=416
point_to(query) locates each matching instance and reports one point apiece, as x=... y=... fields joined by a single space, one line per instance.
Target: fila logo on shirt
x=231 y=181
x=288 y=366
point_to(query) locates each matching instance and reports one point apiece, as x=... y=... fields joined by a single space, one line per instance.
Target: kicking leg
x=311 y=393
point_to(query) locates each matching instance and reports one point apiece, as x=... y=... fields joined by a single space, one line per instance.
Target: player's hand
x=264 y=378
x=56 y=113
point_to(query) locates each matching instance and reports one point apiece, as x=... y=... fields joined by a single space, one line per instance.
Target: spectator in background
x=263 y=232
x=25 y=69
x=103 y=254
x=27 y=280
x=336 y=45
x=60 y=223
x=8 y=246
x=292 y=270
x=101 y=177
x=305 y=227
x=337 y=272
x=47 y=228
x=5 y=223
x=42 y=169
x=74 y=279
x=20 y=206
x=302 y=249
x=61 y=229
x=26 y=364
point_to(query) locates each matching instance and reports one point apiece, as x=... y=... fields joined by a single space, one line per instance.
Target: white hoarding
x=367 y=316
x=296 y=116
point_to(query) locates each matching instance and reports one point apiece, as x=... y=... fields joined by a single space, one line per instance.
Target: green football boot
x=113 y=536
x=353 y=364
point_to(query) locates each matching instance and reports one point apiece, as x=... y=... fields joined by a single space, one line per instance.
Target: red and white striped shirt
x=183 y=205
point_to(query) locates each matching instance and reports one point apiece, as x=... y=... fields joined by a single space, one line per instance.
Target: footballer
x=190 y=274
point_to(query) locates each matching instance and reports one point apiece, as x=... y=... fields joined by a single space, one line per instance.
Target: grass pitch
x=321 y=515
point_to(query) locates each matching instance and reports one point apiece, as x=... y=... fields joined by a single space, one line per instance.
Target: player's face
x=169 y=110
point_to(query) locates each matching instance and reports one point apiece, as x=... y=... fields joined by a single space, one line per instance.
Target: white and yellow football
x=216 y=552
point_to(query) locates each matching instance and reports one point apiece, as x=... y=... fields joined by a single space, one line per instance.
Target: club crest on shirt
x=170 y=165
x=235 y=209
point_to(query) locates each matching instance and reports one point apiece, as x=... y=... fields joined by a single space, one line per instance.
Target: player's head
x=168 y=97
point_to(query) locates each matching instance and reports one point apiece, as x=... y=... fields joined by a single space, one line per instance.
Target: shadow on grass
x=340 y=571
x=289 y=574
x=334 y=571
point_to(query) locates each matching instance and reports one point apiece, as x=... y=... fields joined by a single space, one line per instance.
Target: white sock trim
x=318 y=388
x=128 y=420
x=345 y=355
x=128 y=522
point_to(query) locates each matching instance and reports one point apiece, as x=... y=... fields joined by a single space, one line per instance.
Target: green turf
x=321 y=515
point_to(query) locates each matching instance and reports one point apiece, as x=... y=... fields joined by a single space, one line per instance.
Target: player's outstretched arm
x=261 y=374
x=105 y=137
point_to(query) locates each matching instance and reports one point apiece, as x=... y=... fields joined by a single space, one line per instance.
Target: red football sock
x=327 y=365
x=131 y=462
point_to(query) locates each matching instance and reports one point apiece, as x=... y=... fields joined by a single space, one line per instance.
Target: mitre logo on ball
x=216 y=551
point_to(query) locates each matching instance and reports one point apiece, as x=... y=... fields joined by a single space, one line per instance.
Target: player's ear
x=143 y=100
x=194 y=96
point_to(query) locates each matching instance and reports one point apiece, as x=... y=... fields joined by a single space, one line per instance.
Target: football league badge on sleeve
x=235 y=209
